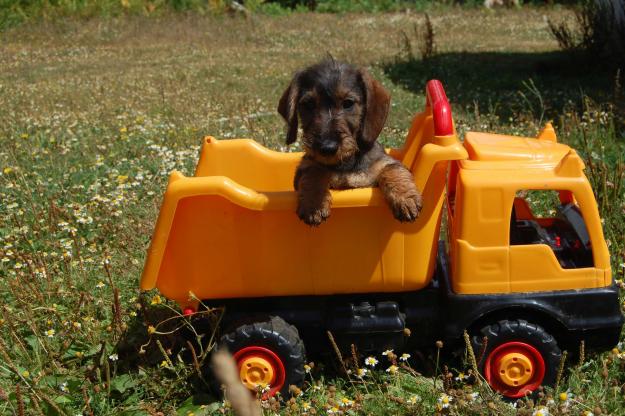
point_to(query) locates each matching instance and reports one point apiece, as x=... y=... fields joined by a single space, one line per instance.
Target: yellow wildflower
x=413 y=399
x=392 y=369
x=345 y=402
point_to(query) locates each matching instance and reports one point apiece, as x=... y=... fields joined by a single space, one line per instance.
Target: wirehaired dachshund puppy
x=342 y=110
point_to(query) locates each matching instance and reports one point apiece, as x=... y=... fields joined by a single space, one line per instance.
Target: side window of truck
x=554 y=219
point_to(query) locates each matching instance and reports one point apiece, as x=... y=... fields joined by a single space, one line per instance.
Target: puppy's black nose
x=328 y=148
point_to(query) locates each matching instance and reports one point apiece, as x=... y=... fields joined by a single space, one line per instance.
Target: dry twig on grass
x=239 y=396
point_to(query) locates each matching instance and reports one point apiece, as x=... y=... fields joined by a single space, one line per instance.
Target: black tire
x=518 y=330
x=274 y=334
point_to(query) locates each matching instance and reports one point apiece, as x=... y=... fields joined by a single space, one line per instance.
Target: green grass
x=94 y=114
x=16 y=12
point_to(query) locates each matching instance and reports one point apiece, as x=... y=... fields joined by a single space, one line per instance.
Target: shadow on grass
x=139 y=348
x=175 y=336
x=511 y=83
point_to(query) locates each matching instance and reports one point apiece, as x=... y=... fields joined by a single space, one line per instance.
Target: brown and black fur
x=342 y=110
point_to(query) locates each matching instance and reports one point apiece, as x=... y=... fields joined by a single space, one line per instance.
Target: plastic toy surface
x=482 y=199
x=524 y=262
x=231 y=230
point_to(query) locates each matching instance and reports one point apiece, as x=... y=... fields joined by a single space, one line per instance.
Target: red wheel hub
x=514 y=369
x=258 y=367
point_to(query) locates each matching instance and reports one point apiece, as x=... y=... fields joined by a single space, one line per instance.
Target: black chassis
x=415 y=320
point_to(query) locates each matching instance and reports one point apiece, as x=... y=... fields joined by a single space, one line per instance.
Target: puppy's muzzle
x=327 y=147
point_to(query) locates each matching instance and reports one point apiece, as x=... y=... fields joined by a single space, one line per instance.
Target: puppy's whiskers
x=307 y=143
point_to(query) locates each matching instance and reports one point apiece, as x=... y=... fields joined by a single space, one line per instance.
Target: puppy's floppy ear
x=377 y=102
x=287 y=107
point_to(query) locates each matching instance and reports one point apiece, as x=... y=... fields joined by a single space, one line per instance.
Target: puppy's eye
x=306 y=103
x=348 y=104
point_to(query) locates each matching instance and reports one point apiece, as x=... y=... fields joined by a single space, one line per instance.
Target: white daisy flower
x=461 y=377
x=541 y=411
x=345 y=402
x=371 y=361
x=445 y=400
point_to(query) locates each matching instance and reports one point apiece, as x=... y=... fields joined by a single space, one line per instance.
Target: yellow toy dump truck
x=522 y=261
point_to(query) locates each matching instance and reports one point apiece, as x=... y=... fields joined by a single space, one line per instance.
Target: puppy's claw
x=314 y=217
x=407 y=209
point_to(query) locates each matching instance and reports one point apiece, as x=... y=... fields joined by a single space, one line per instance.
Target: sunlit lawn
x=95 y=114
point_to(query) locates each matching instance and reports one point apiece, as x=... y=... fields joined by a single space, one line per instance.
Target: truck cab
x=528 y=269
x=522 y=217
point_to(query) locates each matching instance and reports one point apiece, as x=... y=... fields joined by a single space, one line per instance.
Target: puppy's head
x=342 y=110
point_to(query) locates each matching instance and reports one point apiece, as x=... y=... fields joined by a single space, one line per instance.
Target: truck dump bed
x=231 y=230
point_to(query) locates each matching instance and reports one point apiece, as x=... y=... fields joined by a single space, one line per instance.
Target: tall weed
x=595 y=134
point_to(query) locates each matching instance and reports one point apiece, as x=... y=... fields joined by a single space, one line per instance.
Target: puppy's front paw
x=313 y=216
x=406 y=208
